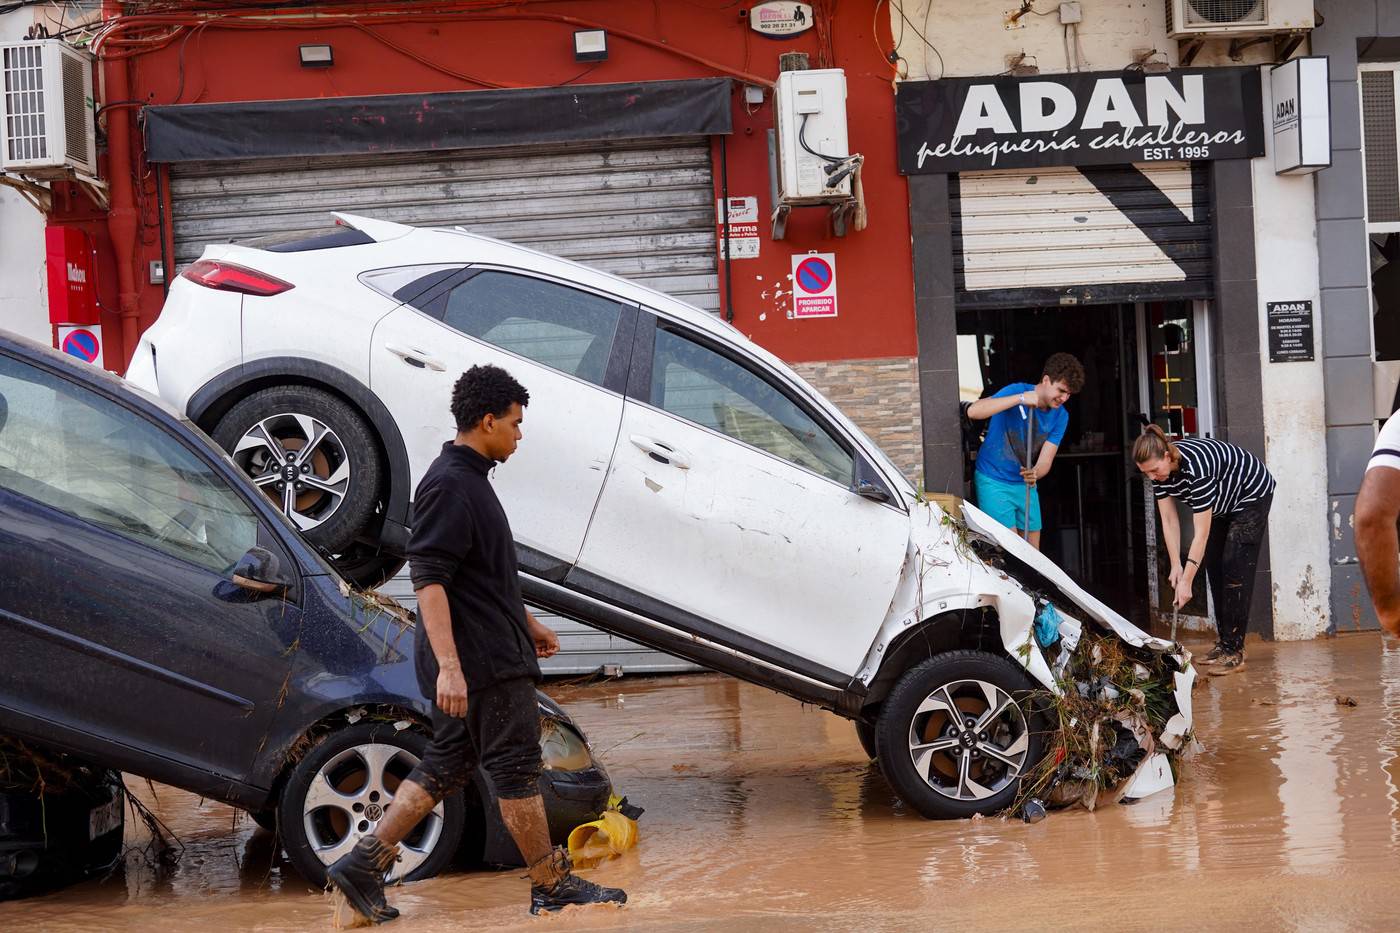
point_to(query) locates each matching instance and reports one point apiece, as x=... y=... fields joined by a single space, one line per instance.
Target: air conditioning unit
x=1201 y=19
x=814 y=159
x=46 y=113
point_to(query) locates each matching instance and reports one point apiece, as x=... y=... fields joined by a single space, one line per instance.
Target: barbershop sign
x=1097 y=118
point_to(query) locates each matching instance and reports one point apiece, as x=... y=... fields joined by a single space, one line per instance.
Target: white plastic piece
x=1070 y=13
x=379 y=230
x=1153 y=776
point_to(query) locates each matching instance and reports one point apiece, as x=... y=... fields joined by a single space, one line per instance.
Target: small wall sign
x=742 y=241
x=1290 y=331
x=780 y=19
x=1301 y=116
x=814 y=285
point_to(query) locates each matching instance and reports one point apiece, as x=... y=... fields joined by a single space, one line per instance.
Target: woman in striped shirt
x=1229 y=491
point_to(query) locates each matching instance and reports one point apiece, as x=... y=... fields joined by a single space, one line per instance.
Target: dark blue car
x=160 y=616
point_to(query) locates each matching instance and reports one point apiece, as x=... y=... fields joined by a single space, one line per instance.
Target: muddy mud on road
x=765 y=813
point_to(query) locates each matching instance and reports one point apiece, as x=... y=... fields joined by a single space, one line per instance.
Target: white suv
x=677 y=485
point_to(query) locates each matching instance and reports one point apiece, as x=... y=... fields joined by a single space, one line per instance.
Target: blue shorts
x=1006 y=502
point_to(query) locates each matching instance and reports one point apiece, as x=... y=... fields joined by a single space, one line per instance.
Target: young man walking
x=1028 y=422
x=475 y=650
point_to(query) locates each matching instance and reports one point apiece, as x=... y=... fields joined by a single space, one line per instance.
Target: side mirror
x=863 y=487
x=259 y=571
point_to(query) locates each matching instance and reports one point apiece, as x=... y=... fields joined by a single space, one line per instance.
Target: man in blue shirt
x=1024 y=417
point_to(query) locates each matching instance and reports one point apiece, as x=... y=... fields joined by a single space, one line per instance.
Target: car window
x=563 y=328
x=85 y=455
x=696 y=383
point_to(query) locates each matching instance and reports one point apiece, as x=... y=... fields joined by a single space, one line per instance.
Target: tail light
x=227 y=277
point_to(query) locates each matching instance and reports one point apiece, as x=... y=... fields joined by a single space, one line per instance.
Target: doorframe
x=1205 y=425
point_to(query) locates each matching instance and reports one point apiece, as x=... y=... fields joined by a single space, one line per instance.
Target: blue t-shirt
x=1003 y=454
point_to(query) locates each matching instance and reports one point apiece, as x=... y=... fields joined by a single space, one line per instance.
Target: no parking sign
x=814 y=285
x=83 y=342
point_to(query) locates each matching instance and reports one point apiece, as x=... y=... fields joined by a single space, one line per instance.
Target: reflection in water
x=765 y=812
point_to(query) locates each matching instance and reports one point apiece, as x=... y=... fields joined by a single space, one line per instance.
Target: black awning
x=266 y=129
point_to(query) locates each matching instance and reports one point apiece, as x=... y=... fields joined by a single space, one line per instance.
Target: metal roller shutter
x=1093 y=233
x=641 y=209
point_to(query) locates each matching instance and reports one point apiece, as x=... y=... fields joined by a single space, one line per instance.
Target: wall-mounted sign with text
x=1301 y=116
x=779 y=19
x=1095 y=118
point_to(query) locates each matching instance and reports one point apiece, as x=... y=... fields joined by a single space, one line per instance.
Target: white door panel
x=551 y=483
x=745 y=540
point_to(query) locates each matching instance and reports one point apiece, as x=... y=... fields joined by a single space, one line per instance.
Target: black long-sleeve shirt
x=462 y=540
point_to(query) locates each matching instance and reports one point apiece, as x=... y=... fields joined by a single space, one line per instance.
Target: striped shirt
x=1216 y=476
x=1387 y=452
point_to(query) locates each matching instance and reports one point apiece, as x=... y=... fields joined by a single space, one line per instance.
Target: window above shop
x=1378 y=96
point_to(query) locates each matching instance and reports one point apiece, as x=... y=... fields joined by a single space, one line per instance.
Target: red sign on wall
x=72 y=284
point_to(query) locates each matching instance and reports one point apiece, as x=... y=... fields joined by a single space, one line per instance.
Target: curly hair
x=1066 y=368
x=485 y=390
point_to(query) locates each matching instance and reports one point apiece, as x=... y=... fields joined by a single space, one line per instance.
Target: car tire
x=263 y=428
x=317 y=815
x=958 y=733
x=265 y=819
x=366 y=567
x=865 y=732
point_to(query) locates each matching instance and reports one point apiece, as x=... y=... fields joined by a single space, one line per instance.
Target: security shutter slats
x=1024 y=235
x=643 y=210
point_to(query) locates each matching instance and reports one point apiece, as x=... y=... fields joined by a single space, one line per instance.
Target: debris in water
x=1345 y=700
x=613 y=833
x=1115 y=715
x=1033 y=811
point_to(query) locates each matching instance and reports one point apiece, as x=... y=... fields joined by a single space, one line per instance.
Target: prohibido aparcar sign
x=1096 y=118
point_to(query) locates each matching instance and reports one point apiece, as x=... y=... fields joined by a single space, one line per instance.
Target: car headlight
x=562 y=748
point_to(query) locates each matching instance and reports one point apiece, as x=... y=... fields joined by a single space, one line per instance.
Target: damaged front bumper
x=1161 y=735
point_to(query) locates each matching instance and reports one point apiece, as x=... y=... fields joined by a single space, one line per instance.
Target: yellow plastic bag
x=609 y=835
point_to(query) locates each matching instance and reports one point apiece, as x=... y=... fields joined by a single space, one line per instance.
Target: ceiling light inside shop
x=316 y=56
x=590 y=45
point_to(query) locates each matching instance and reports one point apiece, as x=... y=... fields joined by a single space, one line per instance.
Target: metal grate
x=1225 y=12
x=74 y=110
x=22 y=78
x=1382 y=171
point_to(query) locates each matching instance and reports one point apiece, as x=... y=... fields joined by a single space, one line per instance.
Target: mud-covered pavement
x=764 y=813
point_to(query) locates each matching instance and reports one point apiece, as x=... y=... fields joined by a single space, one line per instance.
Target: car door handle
x=416 y=358
x=660 y=452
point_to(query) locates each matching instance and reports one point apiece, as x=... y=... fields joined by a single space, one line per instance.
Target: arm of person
x=1042 y=463
x=443 y=530
x=546 y=641
x=1171 y=536
x=1200 y=522
x=437 y=622
x=984 y=408
x=1377 y=543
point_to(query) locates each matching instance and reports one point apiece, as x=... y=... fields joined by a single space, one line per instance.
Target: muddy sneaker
x=1216 y=653
x=570 y=890
x=1228 y=663
x=359 y=876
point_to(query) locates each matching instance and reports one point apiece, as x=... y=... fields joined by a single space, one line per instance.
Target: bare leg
x=1033 y=538
x=411 y=803
x=525 y=819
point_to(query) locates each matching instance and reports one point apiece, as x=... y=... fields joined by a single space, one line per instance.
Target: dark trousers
x=1232 y=555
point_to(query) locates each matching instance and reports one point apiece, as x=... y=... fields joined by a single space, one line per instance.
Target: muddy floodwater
x=764 y=814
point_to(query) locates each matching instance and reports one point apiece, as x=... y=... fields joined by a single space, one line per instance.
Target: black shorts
x=501 y=733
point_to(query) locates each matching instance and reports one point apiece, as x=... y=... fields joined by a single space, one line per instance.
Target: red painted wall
x=414 y=55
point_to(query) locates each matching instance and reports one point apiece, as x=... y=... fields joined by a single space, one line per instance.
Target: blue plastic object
x=1047 y=626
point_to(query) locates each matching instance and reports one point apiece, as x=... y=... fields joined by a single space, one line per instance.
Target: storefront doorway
x=1143 y=362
